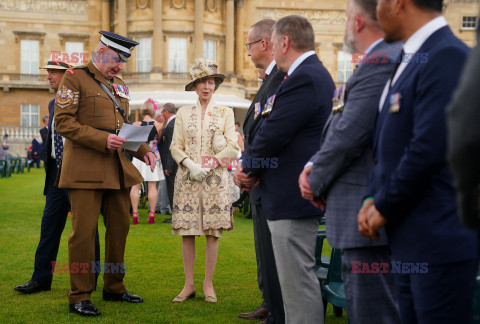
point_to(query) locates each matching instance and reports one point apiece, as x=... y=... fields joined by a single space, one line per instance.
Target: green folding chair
x=333 y=291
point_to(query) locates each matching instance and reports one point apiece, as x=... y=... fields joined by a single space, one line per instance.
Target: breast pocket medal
x=257 y=109
x=268 y=106
x=121 y=91
x=395 y=102
x=338 y=99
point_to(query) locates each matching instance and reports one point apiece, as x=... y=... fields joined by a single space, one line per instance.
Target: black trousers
x=55 y=213
x=264 y=249
x=170 y=185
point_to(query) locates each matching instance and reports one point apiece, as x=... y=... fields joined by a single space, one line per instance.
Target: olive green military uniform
x=97 y=178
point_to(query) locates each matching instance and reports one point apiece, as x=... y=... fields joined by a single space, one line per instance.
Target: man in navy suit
x=260 y=51
x=284 y=138
x=168 y=163
x=339 y=171
x=410 y=190
x=57 y=204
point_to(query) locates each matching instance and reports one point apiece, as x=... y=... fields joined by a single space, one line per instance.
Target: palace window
x=469 y=22
x=177 y=54
x=30 y=115
x=144 y=54
x=210 y=50
x=345 y=66
x=29 y=56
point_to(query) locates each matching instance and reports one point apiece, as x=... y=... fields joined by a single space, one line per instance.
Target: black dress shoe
x=32 y=287
x=84 y=308
x=123 y=297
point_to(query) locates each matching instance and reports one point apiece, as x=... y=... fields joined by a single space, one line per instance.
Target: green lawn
x=155 y=269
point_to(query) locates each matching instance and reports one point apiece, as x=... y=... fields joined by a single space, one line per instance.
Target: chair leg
x=337 y=311
x=325 y=303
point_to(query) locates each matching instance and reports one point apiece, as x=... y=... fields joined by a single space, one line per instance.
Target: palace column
x=157 y=39
x=239 y=39
x=106 y=15
x=230 y=37
x=198 y=28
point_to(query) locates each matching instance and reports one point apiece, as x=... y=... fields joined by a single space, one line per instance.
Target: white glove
x=197 y=173
x=219 y=143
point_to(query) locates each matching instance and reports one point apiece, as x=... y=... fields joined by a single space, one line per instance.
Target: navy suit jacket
x=411 y=181
x=267 y=89
x=288 y=137
x=164 y=142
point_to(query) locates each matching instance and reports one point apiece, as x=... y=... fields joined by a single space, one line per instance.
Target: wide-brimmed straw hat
x=56 y=66
x=201 y=69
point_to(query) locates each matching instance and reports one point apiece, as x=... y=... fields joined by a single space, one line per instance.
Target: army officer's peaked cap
x=122 y=45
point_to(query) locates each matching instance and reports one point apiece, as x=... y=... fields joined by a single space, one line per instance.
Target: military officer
x=91 y=106
x=57 y=204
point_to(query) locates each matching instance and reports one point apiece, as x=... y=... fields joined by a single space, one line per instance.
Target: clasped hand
x=370 y=220
x=307 y=192
x=242 y=180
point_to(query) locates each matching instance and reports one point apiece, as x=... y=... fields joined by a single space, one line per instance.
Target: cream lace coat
x=209 y=199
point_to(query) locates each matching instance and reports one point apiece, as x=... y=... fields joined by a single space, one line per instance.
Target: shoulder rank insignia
x=121 y=91
x=338 y=99
x=395 y=102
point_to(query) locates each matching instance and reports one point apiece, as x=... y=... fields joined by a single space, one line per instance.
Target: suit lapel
x=425 y=48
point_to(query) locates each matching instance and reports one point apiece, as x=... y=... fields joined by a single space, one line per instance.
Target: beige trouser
x=87 y=204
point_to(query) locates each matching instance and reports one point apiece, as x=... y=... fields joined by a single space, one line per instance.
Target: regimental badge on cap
x=395 y=102
x=121 y=91
x=268 y=106
x=338 y=99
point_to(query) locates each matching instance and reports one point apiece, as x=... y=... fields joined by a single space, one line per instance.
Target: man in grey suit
x=339 y=171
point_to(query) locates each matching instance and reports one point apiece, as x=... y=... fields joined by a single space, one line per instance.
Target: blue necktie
x=58 y=143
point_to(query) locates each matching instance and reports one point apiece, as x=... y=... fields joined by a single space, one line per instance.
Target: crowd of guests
x=370 y=155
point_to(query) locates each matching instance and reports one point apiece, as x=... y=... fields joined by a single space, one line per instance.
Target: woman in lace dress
x=204 y=143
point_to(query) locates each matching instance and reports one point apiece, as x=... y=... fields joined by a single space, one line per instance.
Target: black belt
x=111 y=131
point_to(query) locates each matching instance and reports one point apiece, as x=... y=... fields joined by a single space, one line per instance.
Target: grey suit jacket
x=342 y=166
x=464 y=140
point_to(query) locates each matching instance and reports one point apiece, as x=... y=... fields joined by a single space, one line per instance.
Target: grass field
x=155 y=269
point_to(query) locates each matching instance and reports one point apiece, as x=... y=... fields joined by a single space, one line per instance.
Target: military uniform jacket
x=81 y=109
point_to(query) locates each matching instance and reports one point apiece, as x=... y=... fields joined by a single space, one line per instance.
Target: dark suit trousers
x=170 y=182
x=272 y=293
x=55 y=213
x=443 y=295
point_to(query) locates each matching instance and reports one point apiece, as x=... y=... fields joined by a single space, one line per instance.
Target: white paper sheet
x=135 y=135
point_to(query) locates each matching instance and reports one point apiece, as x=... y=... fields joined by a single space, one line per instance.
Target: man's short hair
x=299 y=30
x=368 y=8
x=170 y=107
x=434 y=5
x=263 y=28
x=44 y=119
x=237 y=123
